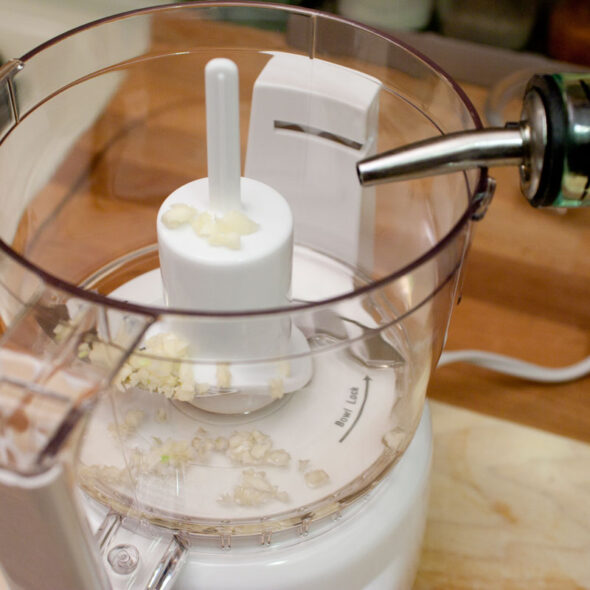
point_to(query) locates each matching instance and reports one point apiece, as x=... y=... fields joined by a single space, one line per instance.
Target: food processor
x=213 y=378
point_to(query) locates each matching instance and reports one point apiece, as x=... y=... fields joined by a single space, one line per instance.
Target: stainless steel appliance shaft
x=449 y=153
x=550 y=144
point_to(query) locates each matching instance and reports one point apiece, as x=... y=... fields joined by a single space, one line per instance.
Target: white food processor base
x=374 y=545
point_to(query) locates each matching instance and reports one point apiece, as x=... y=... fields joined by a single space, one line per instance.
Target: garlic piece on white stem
x=230 y=240
x=204 y=224
x=225 y=231
x=178 y=215
x=236 y=222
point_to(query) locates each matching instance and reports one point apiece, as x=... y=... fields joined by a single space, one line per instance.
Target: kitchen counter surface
x=526 y=289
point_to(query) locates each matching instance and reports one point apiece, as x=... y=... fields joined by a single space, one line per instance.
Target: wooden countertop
x=510 y=504
x=526 y=294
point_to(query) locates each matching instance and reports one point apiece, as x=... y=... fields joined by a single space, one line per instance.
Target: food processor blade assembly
x=212 y=378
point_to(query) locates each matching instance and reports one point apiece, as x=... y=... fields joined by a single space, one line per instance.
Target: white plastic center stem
x=223 y=134
x=198 y=275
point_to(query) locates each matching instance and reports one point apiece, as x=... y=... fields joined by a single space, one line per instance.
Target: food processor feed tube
x=226 y=245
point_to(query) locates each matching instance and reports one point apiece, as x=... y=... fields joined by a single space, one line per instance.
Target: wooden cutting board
x=509 y=506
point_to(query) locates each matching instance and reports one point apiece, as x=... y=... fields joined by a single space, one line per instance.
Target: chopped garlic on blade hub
x=178 y=215
x=225 y=231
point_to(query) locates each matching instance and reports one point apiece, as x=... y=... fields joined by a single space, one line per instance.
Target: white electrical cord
x=517 y=368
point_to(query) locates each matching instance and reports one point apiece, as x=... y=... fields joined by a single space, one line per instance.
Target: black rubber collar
x=552 y=172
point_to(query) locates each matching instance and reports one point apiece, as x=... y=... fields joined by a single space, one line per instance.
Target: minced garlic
x=284 y=368
x=203 y=446
x=229 y=240
x=236 y=222
x=178 y=215
x=225 y=230
x=254 y=490
x=280 y=458
x=277 y=388
x=204 y=224
x=316 y=478
x=160 y=367
x=130 y=423
x=221 y=444
x=223 y=375
x=255 y=448
x=162 y=458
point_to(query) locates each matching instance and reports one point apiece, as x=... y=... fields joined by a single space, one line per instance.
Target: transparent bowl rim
x=156 y=311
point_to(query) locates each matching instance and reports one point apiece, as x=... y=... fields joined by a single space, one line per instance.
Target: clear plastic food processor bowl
x=97 y=128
